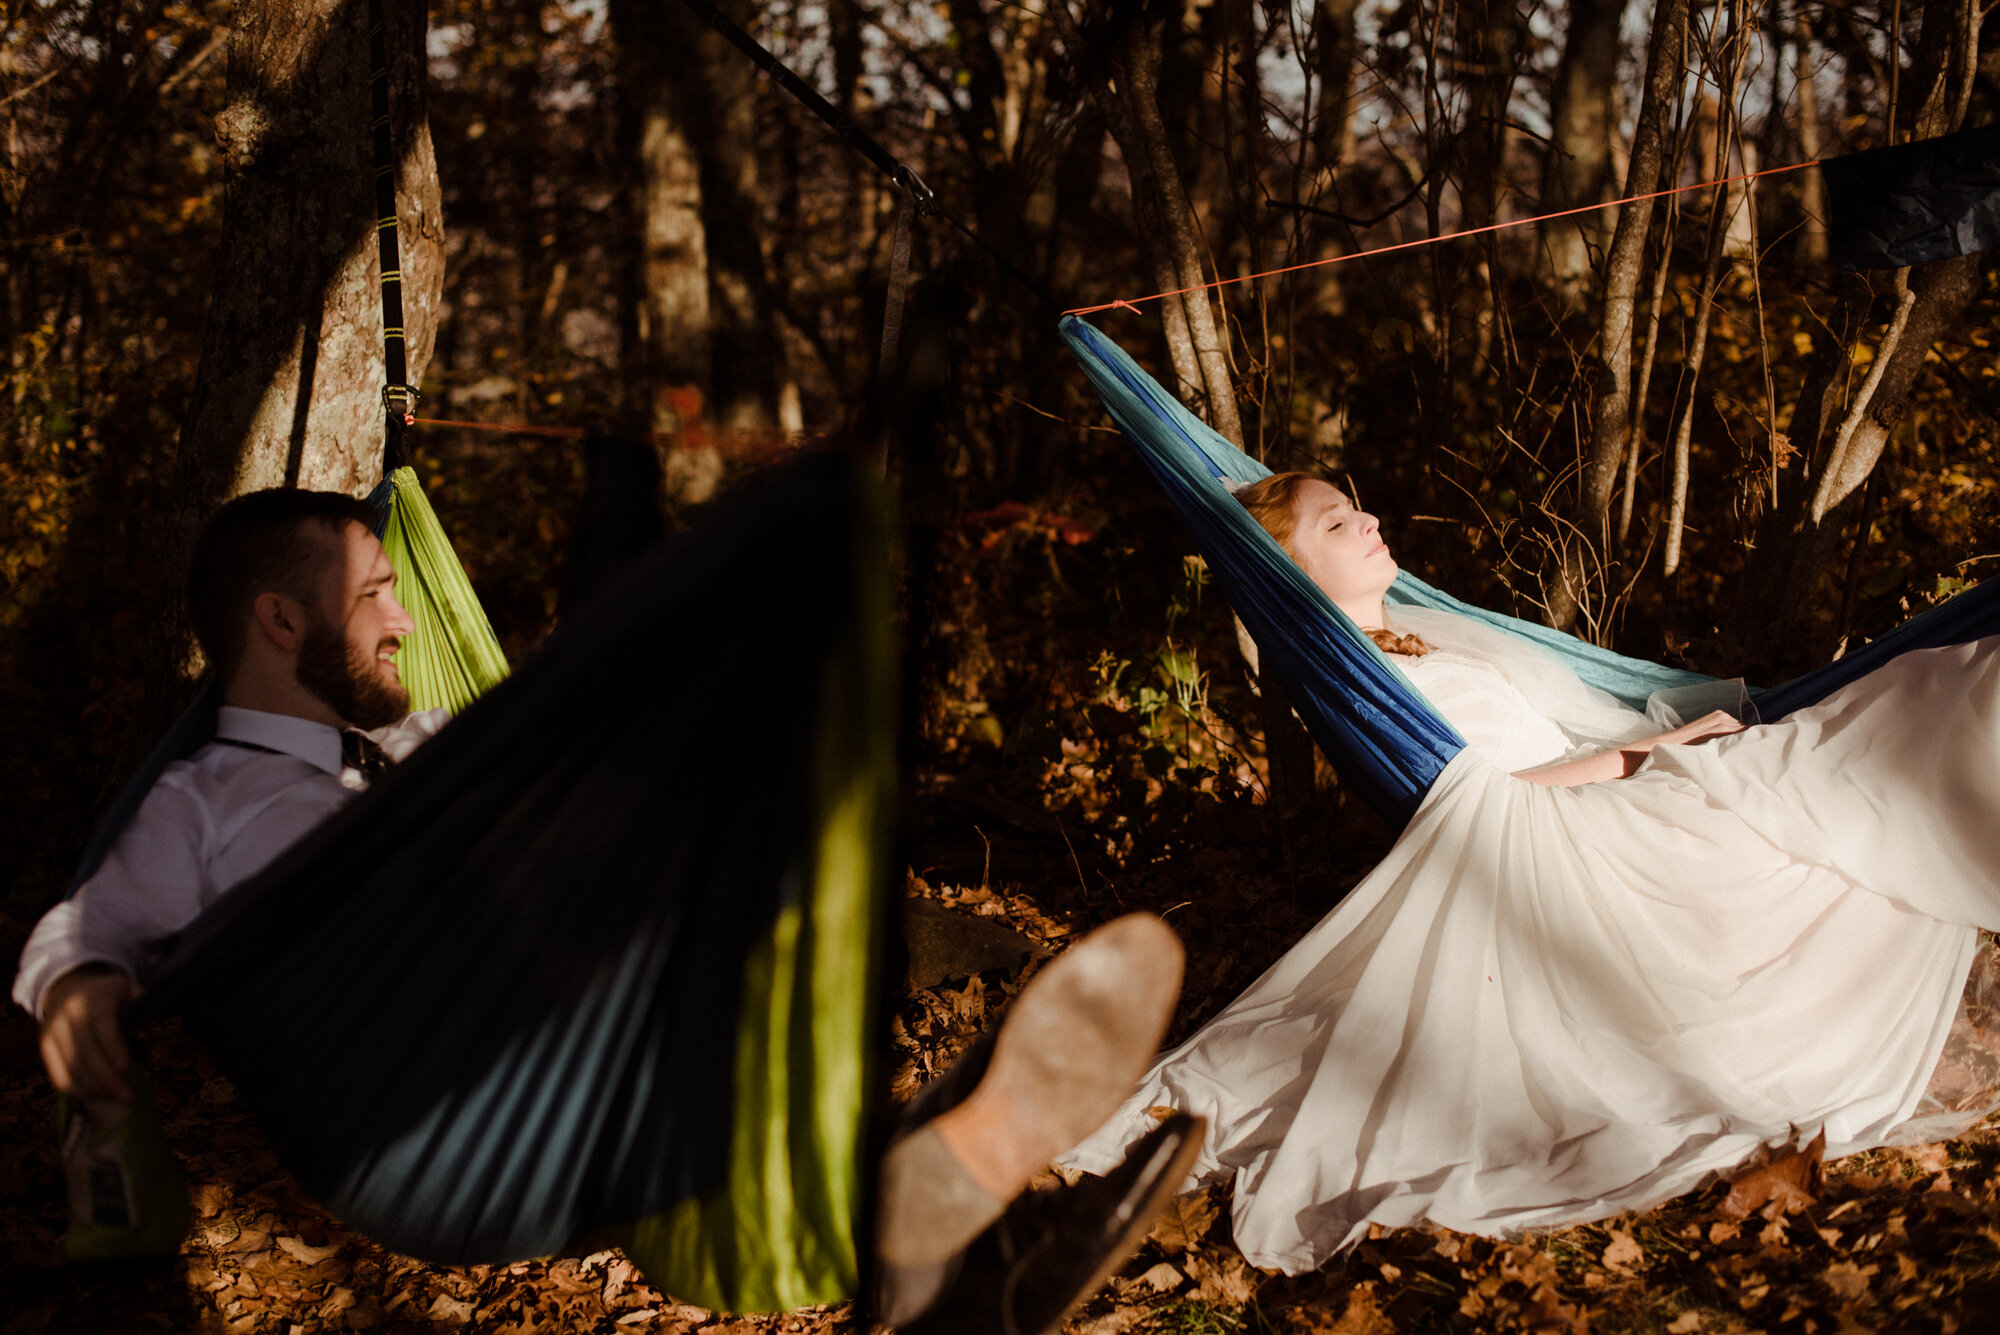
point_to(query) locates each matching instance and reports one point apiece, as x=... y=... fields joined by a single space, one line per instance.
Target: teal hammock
x=1381 y=734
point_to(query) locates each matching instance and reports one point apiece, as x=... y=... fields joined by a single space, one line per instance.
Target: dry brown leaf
x=444 y=1307
x=1226 y=1280
x=1112 y=1323
x=1162 y=1278
x=1783 y=1181
x=1623 y=1253
x=301 y=1250
x=1685 y=1324
x=1185 y=1222
x=1848 y=1280
x=1363 y=1315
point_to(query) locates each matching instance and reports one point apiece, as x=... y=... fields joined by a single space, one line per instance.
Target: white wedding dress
x=1549 y=1005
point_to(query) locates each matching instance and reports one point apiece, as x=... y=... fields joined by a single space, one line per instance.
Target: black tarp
x=1912 y=203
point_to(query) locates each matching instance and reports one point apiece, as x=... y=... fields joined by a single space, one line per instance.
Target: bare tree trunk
x=1488 y=46
x=707 y=333
x=1334 y=55
x=290 y=385
x=1624 y=269
x=1124 y=90
x=1812 y=193
x=1141 y=61
x=1582 y=120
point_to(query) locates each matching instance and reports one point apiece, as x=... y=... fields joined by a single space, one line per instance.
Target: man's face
x=347 y=658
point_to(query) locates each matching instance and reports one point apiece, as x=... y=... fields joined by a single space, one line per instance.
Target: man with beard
x=293 y=602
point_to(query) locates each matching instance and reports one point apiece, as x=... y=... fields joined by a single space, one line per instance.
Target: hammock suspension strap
x=399 y=398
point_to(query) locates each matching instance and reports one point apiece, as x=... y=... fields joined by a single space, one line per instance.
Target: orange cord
x=1133 y=303
x=728 y=443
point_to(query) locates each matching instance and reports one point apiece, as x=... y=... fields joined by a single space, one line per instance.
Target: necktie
x=358 y=751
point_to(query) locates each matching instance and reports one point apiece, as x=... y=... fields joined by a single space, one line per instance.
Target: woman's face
x=1340 y=547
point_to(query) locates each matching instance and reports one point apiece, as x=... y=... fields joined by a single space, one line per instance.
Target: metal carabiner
x=913 y=185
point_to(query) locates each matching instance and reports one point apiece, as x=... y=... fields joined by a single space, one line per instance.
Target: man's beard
x=348 y=680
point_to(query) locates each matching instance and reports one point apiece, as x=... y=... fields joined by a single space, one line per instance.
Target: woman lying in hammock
x=1585 y=993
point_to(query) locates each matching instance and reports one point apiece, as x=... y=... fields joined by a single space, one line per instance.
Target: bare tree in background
x=1583 y=121
x=708 y=346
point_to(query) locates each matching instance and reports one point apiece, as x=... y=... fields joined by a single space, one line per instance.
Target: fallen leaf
x=1781 y=1182
x=1623 y=1253
x=1684 y=1324
x=447 y=1308
x=1185 y=1222
x=1227 y=1280
x=1847 y=1280
x=304 y=1251
x=1113 y=1323
x=1363 y=1315
x=1162 y=1278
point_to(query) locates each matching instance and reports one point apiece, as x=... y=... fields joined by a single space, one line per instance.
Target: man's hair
x=276 y=541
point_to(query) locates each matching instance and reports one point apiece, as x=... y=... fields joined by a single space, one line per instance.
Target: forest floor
x=1894 y=1240
x=1058 y=786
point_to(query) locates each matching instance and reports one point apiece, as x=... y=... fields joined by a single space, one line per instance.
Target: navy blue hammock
x=1379 y=731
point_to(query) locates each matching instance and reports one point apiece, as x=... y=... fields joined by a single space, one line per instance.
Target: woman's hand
x=1625 y=760
x=1718 y=723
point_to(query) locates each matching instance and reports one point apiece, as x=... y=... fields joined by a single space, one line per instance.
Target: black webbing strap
x=906 y=180
x=399 y=399
x=899 y=284
x=797 y=87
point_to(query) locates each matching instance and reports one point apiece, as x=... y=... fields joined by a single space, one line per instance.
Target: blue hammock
x=1377 y=728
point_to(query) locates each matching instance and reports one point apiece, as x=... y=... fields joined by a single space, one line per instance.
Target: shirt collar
x=315 y=743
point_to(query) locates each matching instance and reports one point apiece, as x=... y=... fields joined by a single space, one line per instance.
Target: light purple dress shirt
x=210 y=822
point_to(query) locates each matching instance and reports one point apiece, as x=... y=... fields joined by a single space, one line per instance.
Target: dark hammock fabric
x=1911 y=203
x=494 y=1001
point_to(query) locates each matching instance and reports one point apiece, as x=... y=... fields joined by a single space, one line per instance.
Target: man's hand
x=82 y=1045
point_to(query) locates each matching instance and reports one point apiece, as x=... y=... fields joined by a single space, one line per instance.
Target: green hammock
x=453 y=657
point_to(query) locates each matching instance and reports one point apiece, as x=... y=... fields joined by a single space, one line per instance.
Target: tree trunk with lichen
x=289 y=390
